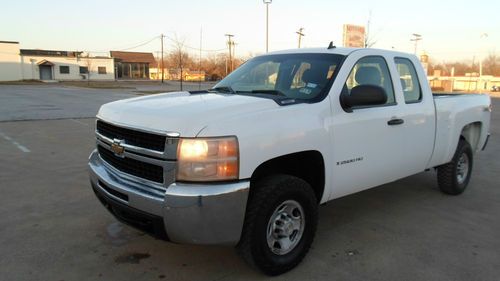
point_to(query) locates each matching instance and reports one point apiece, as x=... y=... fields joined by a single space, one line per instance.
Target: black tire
x=449 y=174
x=267 y=196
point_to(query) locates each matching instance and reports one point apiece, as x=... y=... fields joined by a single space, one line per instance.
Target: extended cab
x=248 y=162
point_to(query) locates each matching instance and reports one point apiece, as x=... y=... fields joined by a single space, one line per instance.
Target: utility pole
x=300 y=33
x=157 y=58
x=180 y=65
x=199 y=65
x=226 y=66
x=232 y=56
x=162 y=66
x=230 y=45
x=416 y=38
x=267 y=2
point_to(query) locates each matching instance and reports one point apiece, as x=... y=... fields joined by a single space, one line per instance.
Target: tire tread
x=446 y=173
x=271 y=187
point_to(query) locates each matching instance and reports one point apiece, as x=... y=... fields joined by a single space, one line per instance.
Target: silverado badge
x=117 y=147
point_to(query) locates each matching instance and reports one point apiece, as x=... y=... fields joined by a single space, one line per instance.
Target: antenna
x=331 y=46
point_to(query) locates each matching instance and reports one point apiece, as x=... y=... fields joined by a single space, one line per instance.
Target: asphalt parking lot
x=53 y=228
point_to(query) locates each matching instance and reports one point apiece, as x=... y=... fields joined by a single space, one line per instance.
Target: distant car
x=495 y=89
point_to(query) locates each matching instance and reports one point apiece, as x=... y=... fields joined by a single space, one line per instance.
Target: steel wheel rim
x=285 y=227
x=462 y=168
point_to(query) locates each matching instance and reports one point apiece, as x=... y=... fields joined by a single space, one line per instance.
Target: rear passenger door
x=419 y=131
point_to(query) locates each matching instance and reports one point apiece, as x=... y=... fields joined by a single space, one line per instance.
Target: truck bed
x=444 y=94
x=453 y=112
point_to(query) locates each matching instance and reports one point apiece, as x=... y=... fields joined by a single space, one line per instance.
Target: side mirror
x=364 y=95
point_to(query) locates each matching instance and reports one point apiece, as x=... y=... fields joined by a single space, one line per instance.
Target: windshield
x=297 y=76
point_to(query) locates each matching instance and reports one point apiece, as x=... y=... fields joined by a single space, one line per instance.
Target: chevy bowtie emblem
x=117 y=147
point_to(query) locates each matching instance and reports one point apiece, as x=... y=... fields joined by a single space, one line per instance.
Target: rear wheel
x=454 y=177
x=280 y=224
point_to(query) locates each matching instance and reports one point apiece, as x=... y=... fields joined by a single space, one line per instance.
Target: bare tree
x=460 y=67
x=88 y=65
x=491 y=65
x=369 y=37
x=180 y=56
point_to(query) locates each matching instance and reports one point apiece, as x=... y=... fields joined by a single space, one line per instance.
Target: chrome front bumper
x=189 y=213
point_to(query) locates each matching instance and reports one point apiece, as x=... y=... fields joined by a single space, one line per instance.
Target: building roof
x=9 y=42
x=45 y=62
x=49 y=53
x=133 y=57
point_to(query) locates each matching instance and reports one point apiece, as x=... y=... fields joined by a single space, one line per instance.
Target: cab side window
x=409 y=80
x=371 y=70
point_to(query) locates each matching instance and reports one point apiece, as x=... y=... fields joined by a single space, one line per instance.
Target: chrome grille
x=131 y=166
x=131 y=137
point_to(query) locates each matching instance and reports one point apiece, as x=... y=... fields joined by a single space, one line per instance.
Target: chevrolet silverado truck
x=248 y=162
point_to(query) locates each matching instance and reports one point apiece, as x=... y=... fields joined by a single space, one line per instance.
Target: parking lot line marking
x=79 y=122
x=18 y=145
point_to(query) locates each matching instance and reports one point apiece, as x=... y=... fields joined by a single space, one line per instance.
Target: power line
x=194 y=48
x=124 y=47
x=140 y=45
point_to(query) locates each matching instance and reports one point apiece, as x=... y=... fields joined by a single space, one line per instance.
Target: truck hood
x=180 y=112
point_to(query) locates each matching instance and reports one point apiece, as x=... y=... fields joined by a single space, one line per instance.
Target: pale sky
x=451 y=30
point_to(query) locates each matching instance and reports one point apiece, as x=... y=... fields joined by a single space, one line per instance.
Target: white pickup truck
x=248 y=162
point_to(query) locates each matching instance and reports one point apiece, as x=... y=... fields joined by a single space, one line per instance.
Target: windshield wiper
x=274 y=92
x=223 y=89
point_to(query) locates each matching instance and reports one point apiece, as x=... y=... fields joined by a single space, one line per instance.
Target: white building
x=33 y=64
x=10 y=66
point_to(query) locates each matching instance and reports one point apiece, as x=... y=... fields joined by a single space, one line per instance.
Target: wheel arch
x=307 y=165
x=472 y=134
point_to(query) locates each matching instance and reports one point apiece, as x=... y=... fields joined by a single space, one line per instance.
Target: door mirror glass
x=369 y=76
x=365 y=95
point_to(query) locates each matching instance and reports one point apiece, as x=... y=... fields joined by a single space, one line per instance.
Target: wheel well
x=307 y=165
x=471 y=133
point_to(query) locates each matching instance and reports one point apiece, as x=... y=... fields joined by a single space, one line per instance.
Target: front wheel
x=454 y=177
x=280 y=224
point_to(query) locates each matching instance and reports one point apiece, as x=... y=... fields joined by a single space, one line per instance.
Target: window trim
x=351 y=110
x=99 y=71
x=291 y=101
x=421 y=96
x=65 y=73
x=85 y=67
x=372 y=106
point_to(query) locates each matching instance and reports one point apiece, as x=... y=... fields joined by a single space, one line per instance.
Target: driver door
x=366 y=142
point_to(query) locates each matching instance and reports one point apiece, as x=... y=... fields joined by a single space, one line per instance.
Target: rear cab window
x=409 y=80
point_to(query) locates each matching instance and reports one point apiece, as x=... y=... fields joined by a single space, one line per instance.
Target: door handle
x=393 y=122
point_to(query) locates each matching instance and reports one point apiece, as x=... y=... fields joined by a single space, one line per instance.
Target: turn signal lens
x=208 y=159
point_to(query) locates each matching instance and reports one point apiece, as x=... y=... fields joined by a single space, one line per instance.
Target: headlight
x=208 y=159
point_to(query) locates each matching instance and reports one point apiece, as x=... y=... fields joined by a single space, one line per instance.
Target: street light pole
x=162 y=67
x=416 y=38
x=483 y=36
x=267 y=2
